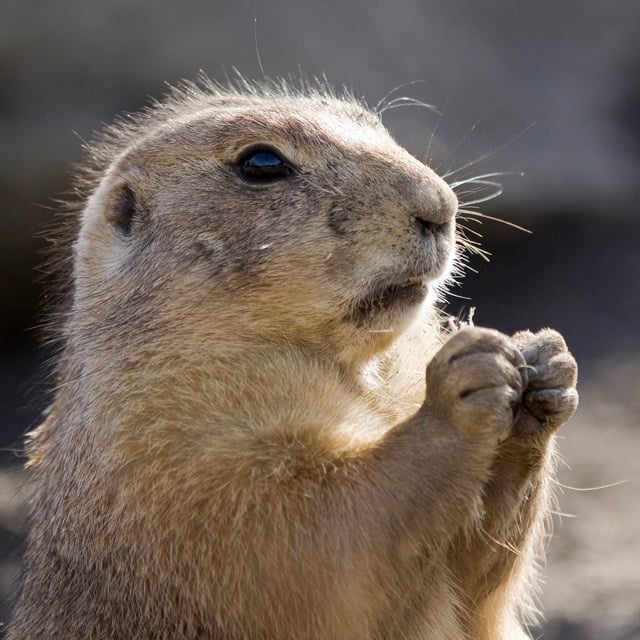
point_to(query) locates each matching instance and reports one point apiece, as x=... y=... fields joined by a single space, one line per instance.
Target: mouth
x=391 y=297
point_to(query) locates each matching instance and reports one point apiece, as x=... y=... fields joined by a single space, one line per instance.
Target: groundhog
x=243 y=443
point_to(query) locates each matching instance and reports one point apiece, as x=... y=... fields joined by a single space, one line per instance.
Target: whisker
x=255 y=42
x=450 y=294
x=330 y=189
x=497 y=191
x=473 y=246
x=472 y=231
x=495 y=174
x=427 y=155
x=466 y=135
x=486 y=216
x=604 y=486
x=405 y=101
x=562 y=514
x=386 y=96
x=489 y=154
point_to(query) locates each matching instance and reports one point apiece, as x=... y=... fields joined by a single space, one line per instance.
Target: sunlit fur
x=235 y=450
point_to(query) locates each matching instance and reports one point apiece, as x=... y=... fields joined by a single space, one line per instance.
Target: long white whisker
x=427 y=155
x=490 y=196
x=488 y=217
x=472 y=231
x=489 y=154
x=495 y=174
x=387 y=95
x=466 y=135
x=406 y=102
x=604 y=486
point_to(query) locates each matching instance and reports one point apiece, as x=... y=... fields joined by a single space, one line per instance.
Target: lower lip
x=403 y=295
x=394 y=297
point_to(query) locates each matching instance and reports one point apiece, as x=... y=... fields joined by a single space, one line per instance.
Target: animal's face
x=292 y=221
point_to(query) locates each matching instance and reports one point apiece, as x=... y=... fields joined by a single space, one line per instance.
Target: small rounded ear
x=124 y=208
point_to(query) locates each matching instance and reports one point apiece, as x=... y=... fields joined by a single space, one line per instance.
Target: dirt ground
x=591 y=587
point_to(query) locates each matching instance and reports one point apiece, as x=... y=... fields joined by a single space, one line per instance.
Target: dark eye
x=263 y=165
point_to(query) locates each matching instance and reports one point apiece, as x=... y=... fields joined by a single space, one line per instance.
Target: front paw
x=550 y=395
x=476 y=382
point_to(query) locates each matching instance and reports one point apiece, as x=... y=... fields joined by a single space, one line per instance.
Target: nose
x=436 y=207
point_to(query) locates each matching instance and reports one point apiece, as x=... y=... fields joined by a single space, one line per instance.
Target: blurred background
x=547 y=88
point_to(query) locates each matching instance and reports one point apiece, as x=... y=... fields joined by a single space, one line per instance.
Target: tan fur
x=239 y=447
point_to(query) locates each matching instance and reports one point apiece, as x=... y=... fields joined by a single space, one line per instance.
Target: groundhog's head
x=269 y=214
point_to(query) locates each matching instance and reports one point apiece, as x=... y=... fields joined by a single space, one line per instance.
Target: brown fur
x=239 y=446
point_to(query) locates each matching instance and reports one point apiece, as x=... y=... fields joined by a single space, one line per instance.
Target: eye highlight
x=263 y=164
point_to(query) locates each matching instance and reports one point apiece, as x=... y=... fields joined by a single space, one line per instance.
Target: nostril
x=428 y=226
x=436 y=213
